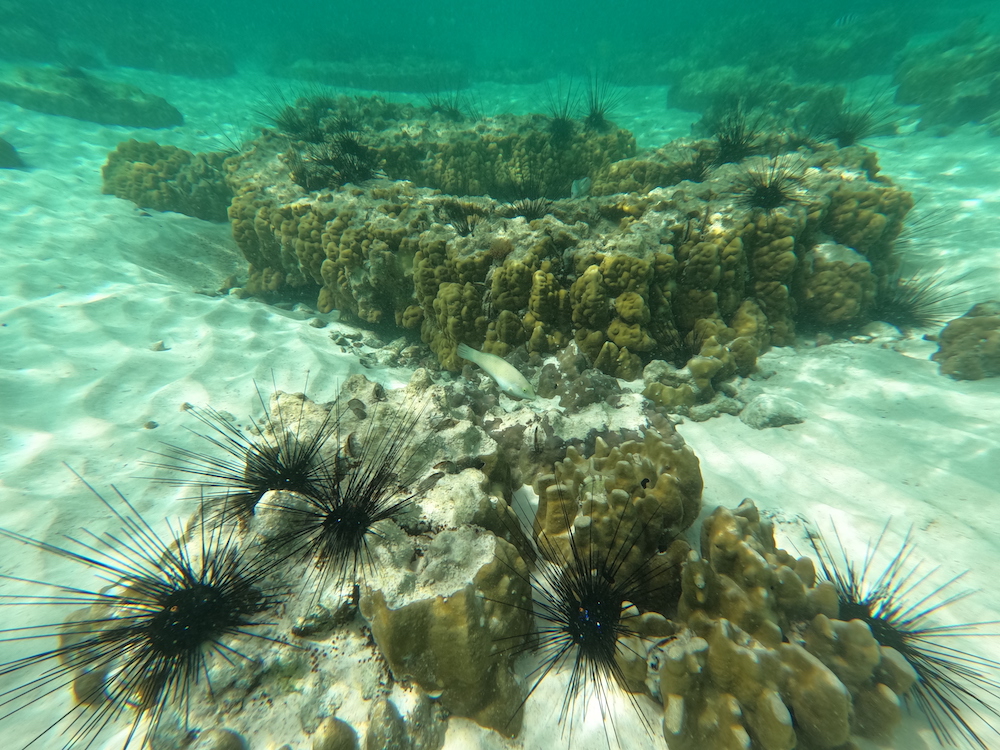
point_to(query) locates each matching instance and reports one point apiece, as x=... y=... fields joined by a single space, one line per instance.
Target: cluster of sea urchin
x=143 y=637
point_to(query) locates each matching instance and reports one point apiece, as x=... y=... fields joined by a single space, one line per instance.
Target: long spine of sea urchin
x=143 y=636
x=584 y=602
x=951 y=683
x=372 y=480
x=283 y=455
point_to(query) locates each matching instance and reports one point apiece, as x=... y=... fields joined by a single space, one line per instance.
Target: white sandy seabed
x=89 y=284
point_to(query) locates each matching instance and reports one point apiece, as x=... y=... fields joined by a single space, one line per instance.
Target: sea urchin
x=950 y=681
x=371 y=479
x=283 y=455
x=769 y=185
x=142 y=637
x=584 y=602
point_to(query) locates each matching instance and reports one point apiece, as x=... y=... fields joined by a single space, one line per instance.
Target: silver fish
x=507 y=377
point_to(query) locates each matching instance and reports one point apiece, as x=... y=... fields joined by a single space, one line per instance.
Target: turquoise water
x=622 y=264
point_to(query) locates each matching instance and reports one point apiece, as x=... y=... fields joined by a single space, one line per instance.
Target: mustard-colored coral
x=969 y=347
x=762 y=643
x=167 y=178
x=633 y=278
x=653 y=485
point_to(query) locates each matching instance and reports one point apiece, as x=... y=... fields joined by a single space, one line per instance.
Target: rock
x=72 y=92
x=335 y=734
x=970 y=345
x=386 y=728
x=440 y=630
x=768 y=410
x=219 y=739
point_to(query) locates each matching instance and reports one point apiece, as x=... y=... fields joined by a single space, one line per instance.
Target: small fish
x=510 y=381
x=848 y=19
x=580 y=188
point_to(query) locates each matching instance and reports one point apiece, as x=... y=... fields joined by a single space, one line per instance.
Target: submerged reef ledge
x=673 y=265
x=650 y=267
x=733 y=641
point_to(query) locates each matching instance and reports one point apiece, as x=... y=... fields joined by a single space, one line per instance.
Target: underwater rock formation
x=953 y=80
x=703 y=87
x=72 y=92
x=738 y=642
x=709 y=274
x=969 y=347
x=767 y=410
x=167 y=178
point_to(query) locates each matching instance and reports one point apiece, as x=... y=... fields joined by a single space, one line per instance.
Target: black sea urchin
x=601 y=98
x=523 y=195
x=737 y=134
x=296 y=117
x=919 y=300
x=769 y=185
x=344 y=158
x=950 y=681
x=142 y=636
x=370 y=480
x=559 y=106
x=448 y=104
x=283 y=455
x=584 y=603
x=847 y=122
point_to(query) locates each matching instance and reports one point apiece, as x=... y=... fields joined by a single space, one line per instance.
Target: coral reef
x=762 y=657
x=676 y=257
x=167 y=178
x=653 y=484
x=954 y=79
x=740 y=642
x=73 y=92
x=661 y=273
x=969 y=347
